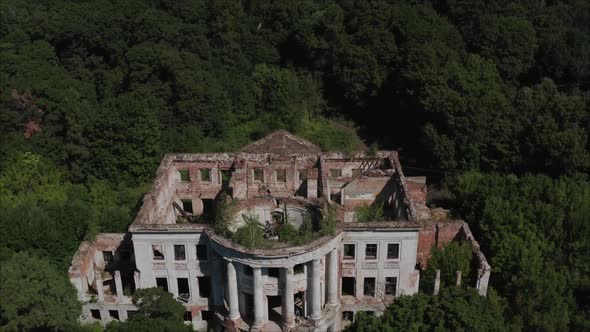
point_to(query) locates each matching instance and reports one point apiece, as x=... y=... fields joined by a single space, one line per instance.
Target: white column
x=119 y=286
x=288 y=304
x=232 y=291
x=258 y=297
x=333 y=277
x=193 y=285
x=99 y=286
x=136 y=280
x=314 y=289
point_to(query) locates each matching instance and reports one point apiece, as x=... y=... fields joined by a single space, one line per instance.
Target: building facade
x=315 y=285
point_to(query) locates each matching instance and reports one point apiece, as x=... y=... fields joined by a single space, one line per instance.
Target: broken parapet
x=439 y=233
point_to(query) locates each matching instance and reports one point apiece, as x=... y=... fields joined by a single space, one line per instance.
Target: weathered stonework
x=313 y=287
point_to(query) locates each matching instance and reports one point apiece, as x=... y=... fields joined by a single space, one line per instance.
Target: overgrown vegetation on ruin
x=94 y=92
x=369 y=213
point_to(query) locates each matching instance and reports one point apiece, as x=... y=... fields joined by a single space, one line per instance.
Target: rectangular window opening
x=273 y=272
x=162 y=283
x=187 y=205
x=202 y=252
x=204 y=286
x=188 y=316
x=179 y=252
x=371 y=251
x=335 y=172
x=184 y=292
x=205 y=174
x=95 y=313
x=258 y=174
x=348 y=315
x=184 y=175
x=299 y=268
x=349 y=251
x=107 y=256
x=157 y=252
x=390 y=286
x=114 y=314
x=393 y=251
x=348 y=286
x=369 y=287
x=281 y=175
x=302 y=174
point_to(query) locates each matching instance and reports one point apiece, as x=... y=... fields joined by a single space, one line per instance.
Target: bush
x=250 y=235
x=329 y=222
x=455 y=256
x=368 y=213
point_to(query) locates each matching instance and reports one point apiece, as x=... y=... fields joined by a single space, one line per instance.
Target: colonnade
x=287 y=291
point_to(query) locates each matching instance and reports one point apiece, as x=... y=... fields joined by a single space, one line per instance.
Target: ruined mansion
x=315 y=285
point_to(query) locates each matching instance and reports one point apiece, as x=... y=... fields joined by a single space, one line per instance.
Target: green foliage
x=158 y=304
x=329 y=221
x=156 y=310
x=251 y=235
x=369 y=213
x=36 y=296
x=454 y=309
x=224 y=213
x=454 y=256
x=288 y=233
x=534 y=231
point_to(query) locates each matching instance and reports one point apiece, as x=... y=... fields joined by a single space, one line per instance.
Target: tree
x=36 y=296
x=156 y=310
x=158 y=303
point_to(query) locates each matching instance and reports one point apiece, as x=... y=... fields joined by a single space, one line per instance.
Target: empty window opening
x=249 y=305
x=281 y=175
x=188 y=316
x=179 y=252
x=302 y=174
x=184 y=175
x=187 y=205
x=258 y=174
x=107 y=256
x=393 y=251
x=348 y=286
x=208 y=207
x=371 y=251
x=128 y=283
x=157 y=252
x=114 y=314
x=225 y=175
x=369 y=287
x=95 y=313
x=162 y=283
x=335 y=197
x=205 y=174
x=273 y=272
x=183 y=289
x=204 y=286
x=202 y=252
x=206 y=315
x=348 y=315
x=278 y=217
x=299 y=268
x=335 y=172
x=349 y=251
x=390 y=286
x=248 y=270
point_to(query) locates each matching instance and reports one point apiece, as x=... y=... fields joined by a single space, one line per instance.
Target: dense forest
x=493 y=95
